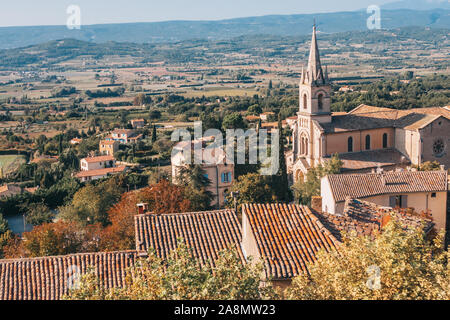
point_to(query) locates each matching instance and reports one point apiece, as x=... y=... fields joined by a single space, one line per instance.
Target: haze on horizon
x=53 y=12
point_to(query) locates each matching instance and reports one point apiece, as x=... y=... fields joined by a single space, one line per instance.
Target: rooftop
x=99 y=159
x=364 y=218
x=48 y=278
x=100 y=172
x=288 y=237
x=206 y=233
x=371 y=184
x=366 y=117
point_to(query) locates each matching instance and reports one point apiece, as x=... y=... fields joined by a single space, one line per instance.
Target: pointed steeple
x=315 y=72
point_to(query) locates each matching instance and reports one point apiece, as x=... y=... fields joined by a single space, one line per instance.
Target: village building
x=365 y=138
x=75 y=141
x=218 y=170
x=267 y=116
x=95 y=163
x=10 y=190
x=363 y=218
x=108 y=148
x=423 y=191
x=124 y=136
x=137 y=123
x=97 y=174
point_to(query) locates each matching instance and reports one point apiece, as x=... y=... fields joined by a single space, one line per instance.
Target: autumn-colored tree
x=396 y=264
x=51 y=239
x=165 y=197
x=120 y=234
x=180 y=277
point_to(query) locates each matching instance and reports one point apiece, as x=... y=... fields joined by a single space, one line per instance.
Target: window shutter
x=392 y=202
x=223 y=177
x=229 y=177
x=404 y=201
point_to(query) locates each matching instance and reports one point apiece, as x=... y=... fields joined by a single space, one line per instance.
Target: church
x=367 y=138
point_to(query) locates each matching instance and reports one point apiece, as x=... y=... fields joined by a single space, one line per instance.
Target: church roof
x=366 y=117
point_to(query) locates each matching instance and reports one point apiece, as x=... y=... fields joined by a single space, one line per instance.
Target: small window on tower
x=305 y=101
x=320 y=101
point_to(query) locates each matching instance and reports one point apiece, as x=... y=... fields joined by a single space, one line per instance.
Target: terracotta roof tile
x=99 y=159
x=364 y=218
x=100 y=172
x=48 y=278
x=206 y=233
x=288 y=237
x=366 y=185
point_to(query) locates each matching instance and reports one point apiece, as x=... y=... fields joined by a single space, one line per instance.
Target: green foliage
x=91 y=203
x=193 y=179
x=305 y=190
x=429 y=166
x=5 y=234
x=253 y=188
x=180 y=277
x=233 y=121
x=38 y=214
x=410 y=267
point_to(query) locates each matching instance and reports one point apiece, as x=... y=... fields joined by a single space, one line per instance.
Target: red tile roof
x=364 y=218
x=99 y=159
x=206 y=233
x=100 y=172
x=48 y=278
x=371 y=184
x=288 y=237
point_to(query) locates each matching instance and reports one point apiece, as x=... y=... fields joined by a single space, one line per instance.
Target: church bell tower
x=315 y=88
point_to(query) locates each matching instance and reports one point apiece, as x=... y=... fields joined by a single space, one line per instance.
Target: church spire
x=314 y=69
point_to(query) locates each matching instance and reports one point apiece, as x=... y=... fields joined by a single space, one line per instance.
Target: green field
x=10 y=163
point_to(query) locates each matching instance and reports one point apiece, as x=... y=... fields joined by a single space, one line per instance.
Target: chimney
x=383 y=179
x=142 y=208
x=316 y=203
x=442 y=167
x=385 y=220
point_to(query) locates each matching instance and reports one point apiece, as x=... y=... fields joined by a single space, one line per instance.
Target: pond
x=16 y=224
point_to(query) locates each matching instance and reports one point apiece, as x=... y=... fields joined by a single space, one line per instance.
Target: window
x=350 y=144
x=398 y=201
x=320 y=101
x=438 y=148
x=385 y=140
x=305 y=101
x=206 y=176
x=368 y=142
x=433 y=195
x=226 y=177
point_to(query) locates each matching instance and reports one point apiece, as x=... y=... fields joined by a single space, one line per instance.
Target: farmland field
x=9 y=163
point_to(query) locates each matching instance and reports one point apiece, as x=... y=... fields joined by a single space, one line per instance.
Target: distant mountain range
x=278 y=25
x=418 y=5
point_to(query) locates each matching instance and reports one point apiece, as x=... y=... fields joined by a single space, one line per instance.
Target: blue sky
x=53 y=12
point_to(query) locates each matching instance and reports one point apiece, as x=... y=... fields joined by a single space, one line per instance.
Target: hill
x=174 y=31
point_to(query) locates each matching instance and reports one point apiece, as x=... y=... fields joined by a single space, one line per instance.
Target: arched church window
x=320 y=98
x=385 y=140
x=305 y=101
x=350 y=144
x=368 y=142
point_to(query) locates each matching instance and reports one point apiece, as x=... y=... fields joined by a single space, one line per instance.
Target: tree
x=193 y=178
x=38 y=213
x=154 y=134
x=165 y=197
x=397 y=264
x=281 y=178
x=5 y=234
x=233 y=121
x=305 y=190
x=429 y=166
x=180 y=277
x=91 y=203
x=252 y=188
x=51 y=239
